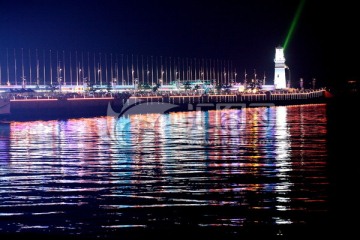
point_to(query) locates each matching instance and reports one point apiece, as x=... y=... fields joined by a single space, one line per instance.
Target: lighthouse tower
x=279 y=78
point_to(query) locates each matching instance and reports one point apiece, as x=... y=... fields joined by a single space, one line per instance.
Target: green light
x=293 y=24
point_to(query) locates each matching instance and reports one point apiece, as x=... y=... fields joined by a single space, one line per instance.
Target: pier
x=55 y=105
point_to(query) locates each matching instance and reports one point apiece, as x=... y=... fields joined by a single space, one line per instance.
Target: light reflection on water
x=226 y=168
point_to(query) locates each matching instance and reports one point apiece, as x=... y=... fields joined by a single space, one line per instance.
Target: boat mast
x=71 y=75
x=122 y=70
x=157 y=70
x=7 y=67
x=44 y=66
x=137 y=68
x=111 y=69
x=22 y=69
x=29 y=67
x=37 y=67
x=142 y=69
x=88 y=69
x=51 y=75
x=15 y=67
x=94 y=69
x=170 y=72
x=106 y=70
x=152 y=71
x=117 y=70
x=77 y=69
x=64 y=67
x=127 y=70
x=0 y=74
x=82 y=70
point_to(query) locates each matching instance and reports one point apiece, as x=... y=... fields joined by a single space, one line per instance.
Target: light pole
x=264 y=81
x=289 y=80
x=132 y=77
x=313 y=83
x=59 y=78
x=99 y=77
x=80 y=78
x=176 y=79
x=147 y=78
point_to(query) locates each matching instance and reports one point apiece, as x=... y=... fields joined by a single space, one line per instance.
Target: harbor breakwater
x=89 y=106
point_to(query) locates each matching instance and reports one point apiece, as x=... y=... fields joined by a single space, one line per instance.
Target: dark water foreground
x=272 y=173
x=344 y=169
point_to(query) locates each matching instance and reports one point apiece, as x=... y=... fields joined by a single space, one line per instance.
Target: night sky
x=323 y=46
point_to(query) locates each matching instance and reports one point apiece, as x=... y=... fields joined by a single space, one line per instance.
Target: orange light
x=32 y=100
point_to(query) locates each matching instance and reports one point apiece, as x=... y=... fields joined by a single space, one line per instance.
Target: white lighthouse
x=279 y=78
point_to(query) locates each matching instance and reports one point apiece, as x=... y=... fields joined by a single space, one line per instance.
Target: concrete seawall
x=61 y=108
x=57 y=108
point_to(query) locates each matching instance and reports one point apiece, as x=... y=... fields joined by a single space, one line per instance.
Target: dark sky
x=323 y=46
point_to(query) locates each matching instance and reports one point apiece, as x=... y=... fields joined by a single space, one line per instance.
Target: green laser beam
x=293 y=24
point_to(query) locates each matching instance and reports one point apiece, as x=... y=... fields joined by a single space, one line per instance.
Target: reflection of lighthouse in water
x=279 y=78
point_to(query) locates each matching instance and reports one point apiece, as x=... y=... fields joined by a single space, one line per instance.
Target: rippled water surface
x=229 y=170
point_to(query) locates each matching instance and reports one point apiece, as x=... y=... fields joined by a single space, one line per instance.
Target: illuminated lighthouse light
x=279 y=78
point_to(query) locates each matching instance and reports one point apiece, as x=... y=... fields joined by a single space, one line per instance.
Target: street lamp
x=60 y=69
x=147 y=77
x=23 y=82
x=313 y=83
x=59 y=78
x=176 y=79
x=132 y=76
x=79 y=78
x=289 y=80
x=264 y=81
x=99 y=77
